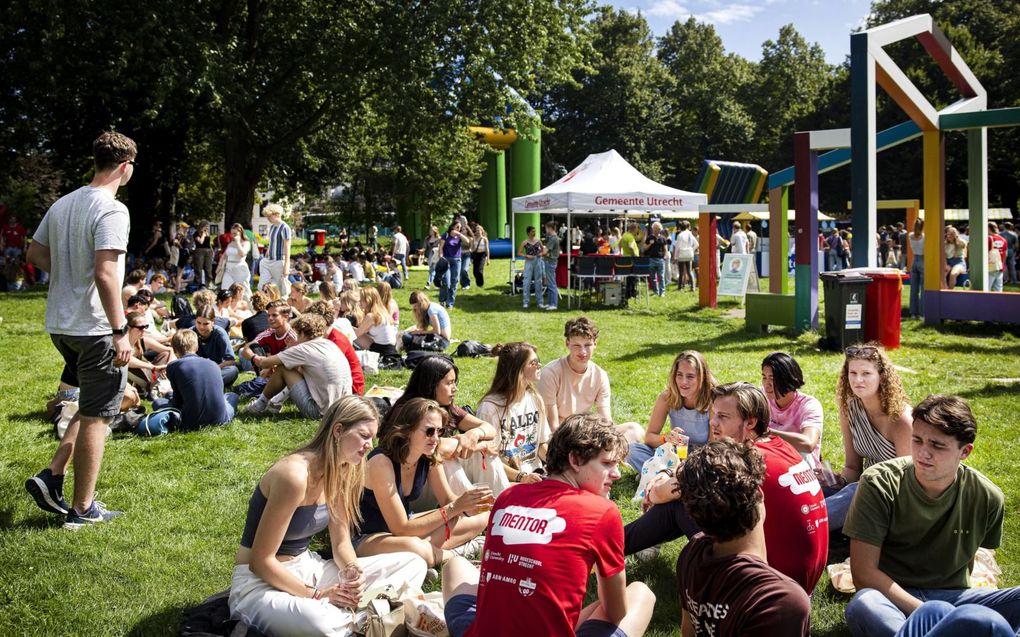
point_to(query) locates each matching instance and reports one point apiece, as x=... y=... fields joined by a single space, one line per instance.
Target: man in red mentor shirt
x=13 y=237
x=542 y=541
x=796 y=521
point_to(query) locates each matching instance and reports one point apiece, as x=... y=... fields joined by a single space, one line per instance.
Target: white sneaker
x=471 y=549
x=525 y=305
x=551 y=308
x=255 y=407
x=541 y=306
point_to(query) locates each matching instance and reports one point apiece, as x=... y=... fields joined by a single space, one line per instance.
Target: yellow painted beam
x=495 y=137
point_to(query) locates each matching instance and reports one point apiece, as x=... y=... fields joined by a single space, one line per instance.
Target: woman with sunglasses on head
x=464 y=449
x=874 y=418
x=278 y=586
x=685 y=402
x=514 y=406
x=397 y=474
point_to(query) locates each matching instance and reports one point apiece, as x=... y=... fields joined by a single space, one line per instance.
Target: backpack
x=180 y=306
x=427 y=341
x=473 y=349
x=413 y=358
x=391 y=361
x=159 y=422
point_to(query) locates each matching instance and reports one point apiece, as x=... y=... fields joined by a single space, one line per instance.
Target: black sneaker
x=96 y=513
x=47 y=492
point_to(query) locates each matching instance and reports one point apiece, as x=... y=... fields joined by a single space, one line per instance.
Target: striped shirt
x=273 y=343
x=868 y=443
x=278 y=234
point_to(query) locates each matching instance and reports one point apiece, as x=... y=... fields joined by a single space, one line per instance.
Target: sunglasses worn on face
x=861 y=351
x=140 y=327
x=431 y=431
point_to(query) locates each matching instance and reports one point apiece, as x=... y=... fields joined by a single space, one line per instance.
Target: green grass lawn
x=185 y=495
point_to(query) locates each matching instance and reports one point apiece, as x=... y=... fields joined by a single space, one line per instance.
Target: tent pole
x=570 y=245
x=513 y=251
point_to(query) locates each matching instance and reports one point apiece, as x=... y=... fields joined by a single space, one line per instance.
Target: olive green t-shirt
x=926 y=542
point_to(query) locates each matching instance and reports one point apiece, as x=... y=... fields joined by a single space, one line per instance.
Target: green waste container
x=844 y=309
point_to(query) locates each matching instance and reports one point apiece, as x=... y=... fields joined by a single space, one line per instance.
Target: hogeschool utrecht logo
x=525 y=525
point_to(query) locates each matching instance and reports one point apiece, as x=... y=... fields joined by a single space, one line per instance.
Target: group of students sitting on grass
x=528 y=480
x=524 y=486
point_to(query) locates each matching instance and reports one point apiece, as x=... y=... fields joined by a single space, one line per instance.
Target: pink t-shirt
x=803 y=413
x=541 y=544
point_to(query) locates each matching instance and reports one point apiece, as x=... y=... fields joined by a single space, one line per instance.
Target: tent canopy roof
x=605 y=181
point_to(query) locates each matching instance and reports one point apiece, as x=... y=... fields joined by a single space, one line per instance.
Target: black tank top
x=306 y=522
x=372 y=520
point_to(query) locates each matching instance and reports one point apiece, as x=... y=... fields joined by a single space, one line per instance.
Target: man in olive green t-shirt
x=916 y=523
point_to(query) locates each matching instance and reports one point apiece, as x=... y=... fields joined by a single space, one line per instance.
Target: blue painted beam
x=833 y=159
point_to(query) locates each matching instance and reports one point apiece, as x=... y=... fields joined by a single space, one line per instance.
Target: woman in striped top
x=874 y=418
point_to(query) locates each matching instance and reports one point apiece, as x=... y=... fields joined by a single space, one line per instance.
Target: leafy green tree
x=613 y=102
x=705 y=116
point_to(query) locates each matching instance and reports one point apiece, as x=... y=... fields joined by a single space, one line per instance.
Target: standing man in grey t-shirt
x=81 y=242
x=551 y=295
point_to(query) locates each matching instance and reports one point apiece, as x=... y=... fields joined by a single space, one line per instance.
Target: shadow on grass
x=991 y=390
x=38 y=521
x=29 y=417
x=163 y=622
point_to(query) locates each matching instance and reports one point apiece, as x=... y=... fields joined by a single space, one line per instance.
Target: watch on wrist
x=120 y=331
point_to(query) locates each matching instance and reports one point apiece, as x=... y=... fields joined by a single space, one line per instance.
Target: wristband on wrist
x=446 y=522
x=316 y=593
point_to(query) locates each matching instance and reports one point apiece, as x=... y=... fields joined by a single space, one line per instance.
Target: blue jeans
x=871 y=614
x=229 y=375
x=838 y=505
x=639 y=454
x=657 y=282
x=448 y=288
x=402 y=260
x=533 y=269
x=917 y=286
x=942 y=619
x=551 y=295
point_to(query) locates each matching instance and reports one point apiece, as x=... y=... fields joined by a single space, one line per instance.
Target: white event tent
x=604 y=184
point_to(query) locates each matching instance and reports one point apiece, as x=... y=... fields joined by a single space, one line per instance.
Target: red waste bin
x=320 y=237
x=884 y=303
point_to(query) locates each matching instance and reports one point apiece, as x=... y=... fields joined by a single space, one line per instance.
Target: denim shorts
x=461 y=610
x=89 y=359
x=301 y=397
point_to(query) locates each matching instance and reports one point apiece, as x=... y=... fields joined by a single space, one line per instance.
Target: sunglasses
x=534 y=363
x=861 y=350
x=140 y=327
x=431 y=431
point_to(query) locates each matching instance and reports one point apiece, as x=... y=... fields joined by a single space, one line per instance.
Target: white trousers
x=237 y=273
x=274 y=272
x=281 y=614
x=461 y=474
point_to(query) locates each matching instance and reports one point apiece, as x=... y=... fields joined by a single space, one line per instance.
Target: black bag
x=473 y=349
x=428 y=341
x=413 y=358
x=391 y=361
x=180 y=307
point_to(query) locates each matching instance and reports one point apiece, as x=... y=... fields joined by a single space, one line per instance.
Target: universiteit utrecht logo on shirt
x=525 y=525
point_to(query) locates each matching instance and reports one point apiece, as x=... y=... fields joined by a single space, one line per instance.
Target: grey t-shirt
x=552 y=244
x=74 y=228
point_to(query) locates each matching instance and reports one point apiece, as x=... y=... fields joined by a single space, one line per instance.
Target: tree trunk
x=243 y=169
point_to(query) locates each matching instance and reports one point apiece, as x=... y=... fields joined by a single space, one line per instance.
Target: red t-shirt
x=542 y=541
x=274 y=344
x=998 y=242
x=796 y=520
x=357 y=375
x=14 y=236
x=738 y=594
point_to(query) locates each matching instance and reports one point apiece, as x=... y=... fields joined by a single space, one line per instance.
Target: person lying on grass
x=278 y=586
x=397 y=473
